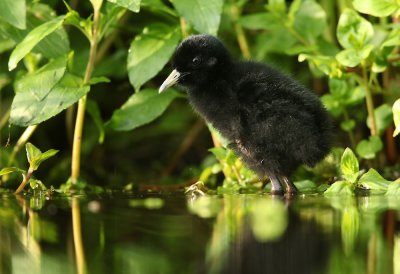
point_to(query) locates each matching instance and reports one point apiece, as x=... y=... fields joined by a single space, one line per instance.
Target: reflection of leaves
x=269 y=219
x=350 y=227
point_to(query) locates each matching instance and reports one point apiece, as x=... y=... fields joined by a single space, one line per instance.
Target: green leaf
x=349 y=166
x=306 y=186
x=14 y=12
x=368 y=149
x=40 y=83
x=310 y=20
x=98 y=80
x=32 y=153
x=27 y=109
x=373 y=180
x=396 y=117
x=205 y=16
x=394 y=188
x=262 y=20
x=150 y=51
x=219 y=152
x=348 y=125
x=94 y=111
x=379 y=8
x=353 y=31
x=277 y=6
x=32 y=39
x=140 y=109
x=8 y=170
x=36 y=157
x=332 y=104
x=383 y=116
x=352 y=57
x=340 y=188
x=133 y=5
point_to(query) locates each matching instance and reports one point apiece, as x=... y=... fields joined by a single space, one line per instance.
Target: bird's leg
x=290 y=188
x=276 y=185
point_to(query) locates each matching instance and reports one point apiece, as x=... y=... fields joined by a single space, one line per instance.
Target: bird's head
x=197 y=61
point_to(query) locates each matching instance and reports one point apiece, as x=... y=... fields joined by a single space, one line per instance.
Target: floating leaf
x=133 y=5
x=27 y=109
x=205 y=16
x=373 y=180
x=150 y=51
x=141 y=108
x=349 y=165
x=14 y=12
x=368 y=149
x=396 y=117
x=353 y=31
x=32 y=39
x=379 y=8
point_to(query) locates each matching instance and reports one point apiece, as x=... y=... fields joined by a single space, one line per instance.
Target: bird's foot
x=290 y=188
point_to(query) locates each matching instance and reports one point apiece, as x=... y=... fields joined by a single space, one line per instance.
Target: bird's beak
x=171 y=80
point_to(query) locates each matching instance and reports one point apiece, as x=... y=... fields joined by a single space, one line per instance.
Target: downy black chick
x=273 y=123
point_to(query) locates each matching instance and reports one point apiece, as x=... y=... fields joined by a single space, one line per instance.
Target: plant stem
x=24 y=181
x=21 y=142
x=4 y=119
x=370 y=102
x=183 y=27
x=240 y=35
x=351 y=134
x=77 y=235
x=80 y=117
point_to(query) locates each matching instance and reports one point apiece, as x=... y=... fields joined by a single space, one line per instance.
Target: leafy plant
x=35 y=159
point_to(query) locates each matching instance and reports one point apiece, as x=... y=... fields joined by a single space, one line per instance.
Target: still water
x=173 y=233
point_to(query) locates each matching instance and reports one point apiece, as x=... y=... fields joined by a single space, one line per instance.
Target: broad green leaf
x=277 y=6
x=383 y=116
x=133 y=5
x=32 y=39
x=379 y=8
x=39 y=83
x=14 y=12
x=352 y=57
x=373 y=180
x=349 y=165
x=310 y=20
x=43 y=157
x=37 y=184
x=355 y=95
x=396 y=117
x=140 y=109
x=353 y=31
x=306 y=186
x=326 y=64
x=368 y=149
x=340 y=188
x=8 y=170
x=32 y=153
x=150 y=51
x=339 y=88
x=332 y=105
x=260 y=21
x=392 y=40
x=205 y=16
x=394 y=188
x=94 y=111
x=276 y=40
x=27 y=110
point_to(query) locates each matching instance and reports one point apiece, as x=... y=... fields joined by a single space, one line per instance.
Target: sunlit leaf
x=348 y=125
x=150 y=51
x=396 y=117
x=353 y=31
x=219 y=152
x=394 y=188
x=260 y=21
x=141 y=108
x=14 y=12
x=349 y=165
x=340 y=188
x=8 y=170
x=32 y=153
x=205 y=16
x=373 y=180
x=27 y=109
x=133 y=5
x=368 y=149
x=32 y=39
x=379 y=8
x=352 y=57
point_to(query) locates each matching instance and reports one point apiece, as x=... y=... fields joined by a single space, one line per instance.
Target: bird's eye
x=196 y=61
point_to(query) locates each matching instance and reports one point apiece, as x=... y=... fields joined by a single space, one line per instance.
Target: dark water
x=128 y=233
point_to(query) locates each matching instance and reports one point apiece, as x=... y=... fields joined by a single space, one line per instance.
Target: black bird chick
x=273 y=123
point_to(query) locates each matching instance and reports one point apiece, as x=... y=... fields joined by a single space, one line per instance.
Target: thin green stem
x=350 y=132
x=240 y=34
x=4 y=119
x=80 y=117
x=24 y=181
x=370 y=102
x=21 y=142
